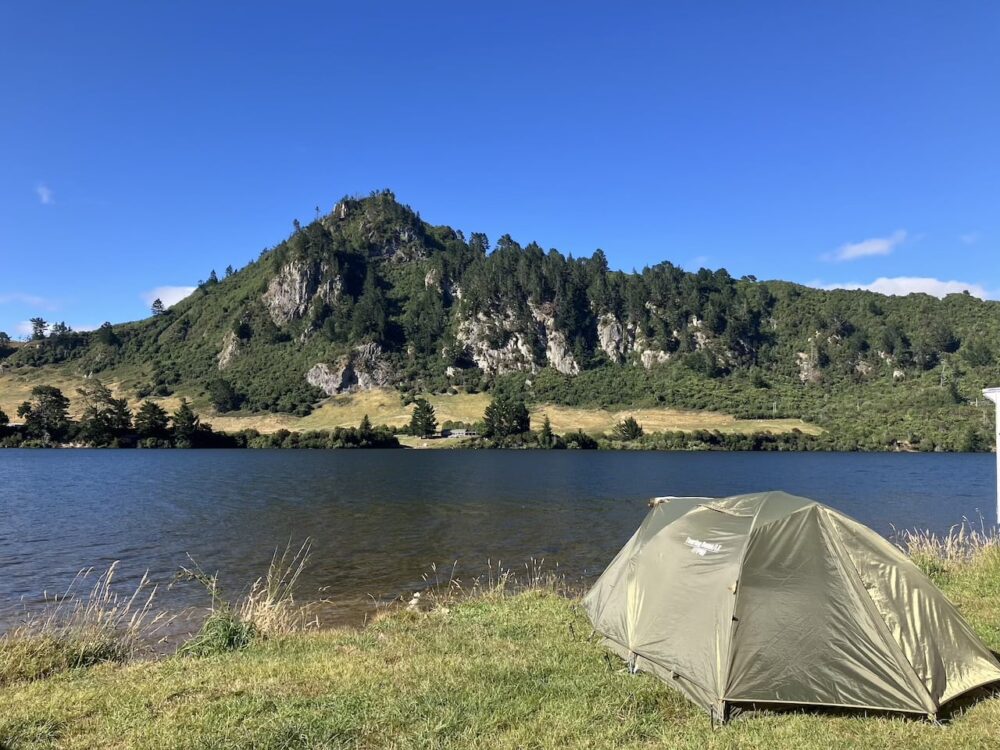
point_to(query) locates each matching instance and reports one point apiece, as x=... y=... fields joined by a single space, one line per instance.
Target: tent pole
x=993 y=394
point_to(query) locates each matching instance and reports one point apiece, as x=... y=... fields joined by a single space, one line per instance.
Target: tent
x=779 y=600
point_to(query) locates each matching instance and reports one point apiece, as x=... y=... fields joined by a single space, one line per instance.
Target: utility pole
x=993 y=394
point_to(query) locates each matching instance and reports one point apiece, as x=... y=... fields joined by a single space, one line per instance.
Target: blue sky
x=144 y=144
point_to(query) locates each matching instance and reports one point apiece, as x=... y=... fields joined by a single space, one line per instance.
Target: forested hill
x=370 y=295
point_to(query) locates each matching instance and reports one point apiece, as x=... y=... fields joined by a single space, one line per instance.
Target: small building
x=459 y=432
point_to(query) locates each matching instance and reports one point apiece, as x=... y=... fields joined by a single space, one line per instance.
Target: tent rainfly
x=779 y=600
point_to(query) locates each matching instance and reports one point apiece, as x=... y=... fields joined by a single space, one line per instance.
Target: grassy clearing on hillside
x=492 y=671
x=386 y=407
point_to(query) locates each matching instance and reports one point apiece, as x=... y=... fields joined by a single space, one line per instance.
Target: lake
x=380 y=519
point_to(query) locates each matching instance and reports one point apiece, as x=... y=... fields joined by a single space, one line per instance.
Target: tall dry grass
x=964 y=546
x=268 y=609
x=81 y=627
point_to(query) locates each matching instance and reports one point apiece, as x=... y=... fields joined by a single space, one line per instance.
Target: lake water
x=380 y=519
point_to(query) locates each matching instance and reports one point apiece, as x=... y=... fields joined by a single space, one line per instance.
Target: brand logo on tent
x=699 y=547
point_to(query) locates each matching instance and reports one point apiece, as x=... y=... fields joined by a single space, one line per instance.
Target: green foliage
x=185 y=425
x=628 y=429
x=38 y=328
x=505 y=417
x=105 y=419
x=223 y=631
x=223 y=396
x=46 y=415
x=151 y=421
x=157 y=308
x=423 y=421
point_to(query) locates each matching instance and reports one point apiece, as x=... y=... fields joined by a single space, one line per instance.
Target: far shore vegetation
x=505 y=661
x=507 y=421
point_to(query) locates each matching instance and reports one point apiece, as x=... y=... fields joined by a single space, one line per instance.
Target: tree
x=545 y=438
x=46 y=415
x=157 y=307
x=4 y=419
x=106 y=335
x=213 y=278
x=60 y=329
x=38 y=328
x=6 y=346
x=369 y=318
x=151 y=420
x=628 y=429
x=224 y=396
x=365 y=428
x=229 y=271
x=423 y=422
x=105 y=418
x=186 y=424
x=505 y=416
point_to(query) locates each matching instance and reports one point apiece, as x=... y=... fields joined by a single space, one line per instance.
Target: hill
x=371 y=297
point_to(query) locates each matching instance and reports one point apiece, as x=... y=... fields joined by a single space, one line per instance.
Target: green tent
x=776 y=599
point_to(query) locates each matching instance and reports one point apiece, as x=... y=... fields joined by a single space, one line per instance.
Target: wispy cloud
x=45 y=195
x=168 y=295
x=867 y=248
x=28 y=300
x=903 y=285
x=970 y=238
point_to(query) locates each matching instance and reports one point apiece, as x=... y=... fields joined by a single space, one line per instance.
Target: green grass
x=494 y=671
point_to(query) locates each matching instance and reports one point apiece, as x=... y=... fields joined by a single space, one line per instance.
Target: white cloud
x=45 y=195
x=970 y=238
x=168 y=295
x=29 y=300
x=903 y=285
x=867 y=248
x=23 y=328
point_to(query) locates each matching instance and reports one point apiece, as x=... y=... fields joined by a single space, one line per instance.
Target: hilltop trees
x=157 y=307
x=38 y=328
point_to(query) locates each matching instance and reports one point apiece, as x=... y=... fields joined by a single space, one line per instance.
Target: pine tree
x=365 y=428
x=229 y=271
x=151 y=420
x=423 y=422
x=545 y=438
x=157 y=307
x=38 y=328
x=628 y=429
x=186 y=424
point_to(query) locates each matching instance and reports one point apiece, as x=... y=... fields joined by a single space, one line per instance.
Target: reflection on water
x=380 y=519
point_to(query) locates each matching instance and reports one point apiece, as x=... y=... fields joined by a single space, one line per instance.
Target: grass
x=504 y=668
x=267 y=610
x=385 y=407
x=80 y=629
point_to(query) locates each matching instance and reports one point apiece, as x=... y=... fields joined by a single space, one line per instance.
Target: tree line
x=108 y=422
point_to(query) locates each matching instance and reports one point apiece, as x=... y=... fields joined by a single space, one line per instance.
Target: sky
x=829 y=143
